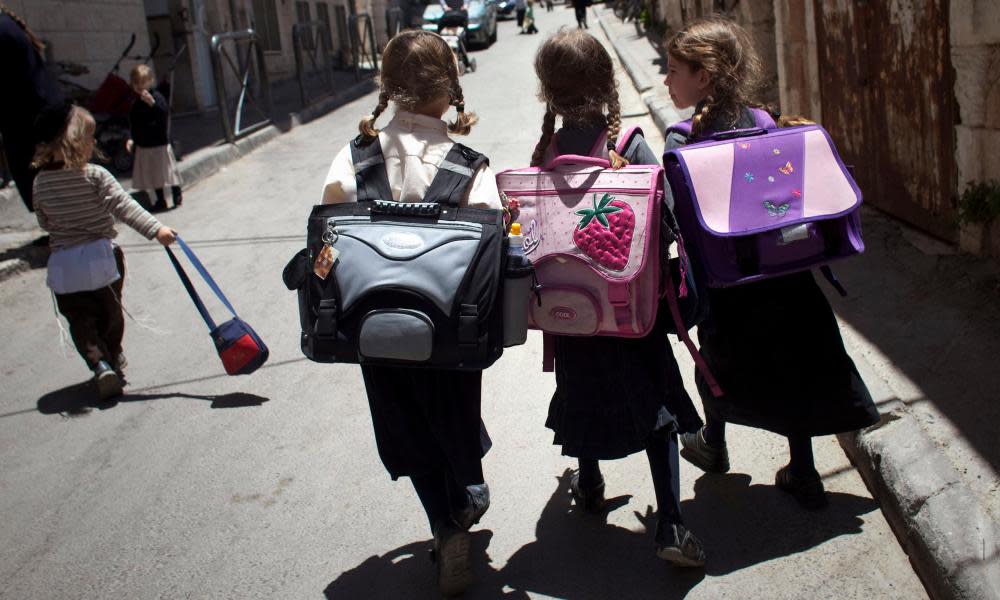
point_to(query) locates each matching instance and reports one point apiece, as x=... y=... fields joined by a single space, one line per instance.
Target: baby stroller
x=451 y=26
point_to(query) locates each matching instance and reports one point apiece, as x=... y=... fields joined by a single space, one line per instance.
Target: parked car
x=482 y=30
x=505 y=9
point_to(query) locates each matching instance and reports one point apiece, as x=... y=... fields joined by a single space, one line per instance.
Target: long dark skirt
x=775 y=348
x=612 y=394
x=427 y=420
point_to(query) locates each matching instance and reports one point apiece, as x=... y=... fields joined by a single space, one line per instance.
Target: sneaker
x=109 y=384
x=807 y=490
x=451 y=555
x=479 y=502
x=701 y=454
x=678 y=546
x=591 y=500
x=119 y=363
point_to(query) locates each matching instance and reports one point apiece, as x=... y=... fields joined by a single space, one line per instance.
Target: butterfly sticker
x=744 y=146
x=748 y=176
x=776 y=211
x=776 y=152
x=787 y=169
x=797 y=193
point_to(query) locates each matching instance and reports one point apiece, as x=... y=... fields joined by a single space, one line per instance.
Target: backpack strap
x=369 y=170
x=198 y=303
x=682 y=333
x=763 y=119
x=455 y=175
x=681 y=127
x=625 y=138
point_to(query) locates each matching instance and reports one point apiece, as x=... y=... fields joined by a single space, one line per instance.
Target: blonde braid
x=463 y=121
x=548 y=129
x=614 y=129
x=367 y=125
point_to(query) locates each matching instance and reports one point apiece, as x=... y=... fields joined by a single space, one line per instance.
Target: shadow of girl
x=80 y=398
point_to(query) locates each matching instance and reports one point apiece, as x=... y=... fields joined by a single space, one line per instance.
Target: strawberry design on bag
x=604 y=232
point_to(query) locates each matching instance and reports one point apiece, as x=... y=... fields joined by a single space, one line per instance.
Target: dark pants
x=581 y=14
x=520 y=16
x=96 y=322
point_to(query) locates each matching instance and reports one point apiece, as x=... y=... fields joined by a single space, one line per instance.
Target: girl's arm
x=341 y=184
x=483 y=192
x=122 y=205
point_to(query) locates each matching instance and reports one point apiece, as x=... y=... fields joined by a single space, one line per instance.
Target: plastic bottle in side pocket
x=518 y=282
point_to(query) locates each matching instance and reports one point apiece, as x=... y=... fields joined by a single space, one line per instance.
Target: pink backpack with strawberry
x=592 y=235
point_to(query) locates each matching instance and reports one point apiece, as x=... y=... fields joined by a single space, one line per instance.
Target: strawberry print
x=605 y=230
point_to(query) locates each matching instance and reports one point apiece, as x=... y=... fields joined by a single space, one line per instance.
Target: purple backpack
x=763 y=202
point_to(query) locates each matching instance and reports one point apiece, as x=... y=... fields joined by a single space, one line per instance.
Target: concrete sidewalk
x=923 y=326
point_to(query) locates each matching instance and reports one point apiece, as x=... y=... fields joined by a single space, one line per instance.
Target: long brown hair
x=725 y=51
x=419 y=67
x=34 y=39
x=73 y=147
x=577 y=82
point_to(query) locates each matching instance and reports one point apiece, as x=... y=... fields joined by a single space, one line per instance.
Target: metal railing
x=364 y=47
x=248 y=62
x=311 y=41
x=393 y=22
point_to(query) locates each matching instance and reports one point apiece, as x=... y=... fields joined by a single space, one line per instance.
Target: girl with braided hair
x=784 y=322
x=635 y=401
x=427 y=421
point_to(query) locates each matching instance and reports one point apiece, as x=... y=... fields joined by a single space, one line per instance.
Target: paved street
x=198 y=485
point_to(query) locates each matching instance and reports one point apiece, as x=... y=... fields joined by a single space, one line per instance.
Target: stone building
x=910 y=92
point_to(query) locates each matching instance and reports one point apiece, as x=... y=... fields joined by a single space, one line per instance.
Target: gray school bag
x=406 y=284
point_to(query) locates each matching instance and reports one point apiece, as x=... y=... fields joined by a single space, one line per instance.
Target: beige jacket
x=413 y=145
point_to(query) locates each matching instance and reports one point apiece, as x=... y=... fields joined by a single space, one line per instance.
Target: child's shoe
x=701 y=454
x=109 y=384
x=451 y=555
x=591 y=500
x=119 y=363
x=479 y=501
x=807 y=490
x=678 y=546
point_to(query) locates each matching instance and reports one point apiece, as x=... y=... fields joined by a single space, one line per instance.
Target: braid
x=463 y=121
x=37 y=43
x=701 y=118
x=614 y=129
x=367 y=125
x=548 y=129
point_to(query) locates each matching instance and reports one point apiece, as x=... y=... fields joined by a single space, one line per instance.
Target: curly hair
x=73 y=147
x=577 y=82
x=725 y=51
x=418 y=67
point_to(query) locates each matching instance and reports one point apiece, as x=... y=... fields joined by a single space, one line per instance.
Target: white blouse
x=413 y=146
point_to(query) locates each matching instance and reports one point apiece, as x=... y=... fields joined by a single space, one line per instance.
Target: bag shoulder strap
x=625 y=138
x=763 y=119
x=369 y=170
x=681 y=127
x=198 y=303
x=454 y=175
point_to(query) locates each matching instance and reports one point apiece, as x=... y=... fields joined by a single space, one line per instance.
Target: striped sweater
x=77 y=206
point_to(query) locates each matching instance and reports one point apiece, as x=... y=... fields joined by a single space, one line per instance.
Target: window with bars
x=266 y=24
x=302 y=15
x=323 y=16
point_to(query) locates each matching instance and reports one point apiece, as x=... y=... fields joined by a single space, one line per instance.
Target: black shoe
x=451 y=555
x=703 y=455
x=807 y=490
x=678 y=546
x=591 y=500
x=479 y=502
x=159 y=207
x=109 y=384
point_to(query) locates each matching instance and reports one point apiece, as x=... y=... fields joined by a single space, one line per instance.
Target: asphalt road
x=199 y=485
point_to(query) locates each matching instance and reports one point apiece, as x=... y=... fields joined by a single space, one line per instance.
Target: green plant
x=980 y=202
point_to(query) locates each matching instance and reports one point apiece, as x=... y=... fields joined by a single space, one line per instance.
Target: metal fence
x=250 y=71
x=364 y=47
x=393 y=22
x=313 y=58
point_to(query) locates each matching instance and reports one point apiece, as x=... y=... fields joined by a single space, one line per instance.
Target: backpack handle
x=576 y=159
x=733 y=134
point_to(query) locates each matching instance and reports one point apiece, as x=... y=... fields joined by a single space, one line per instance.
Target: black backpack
x=406 y=284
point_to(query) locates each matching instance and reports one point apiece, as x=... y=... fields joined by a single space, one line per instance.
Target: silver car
x=482 y=30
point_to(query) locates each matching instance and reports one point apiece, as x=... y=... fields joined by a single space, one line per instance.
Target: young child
x=635 y=401
x=77 y=203
x=427 y=421
x=774 y=345
x=154 y=167
x=529 y=19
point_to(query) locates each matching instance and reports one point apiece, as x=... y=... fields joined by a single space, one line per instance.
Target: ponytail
x=367 y=125
x=463 y=121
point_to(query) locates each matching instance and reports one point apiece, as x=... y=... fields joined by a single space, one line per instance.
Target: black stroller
x=452 y=26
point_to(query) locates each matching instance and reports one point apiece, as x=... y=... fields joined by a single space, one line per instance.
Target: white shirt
x=413 y=146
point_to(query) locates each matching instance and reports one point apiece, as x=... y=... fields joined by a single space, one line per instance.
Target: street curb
x=938 y=521
x=11 y=267
x=208 y=161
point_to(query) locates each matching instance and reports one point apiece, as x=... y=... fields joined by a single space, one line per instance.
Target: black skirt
x=776 y=350
x=612 y=394
x=427 y=420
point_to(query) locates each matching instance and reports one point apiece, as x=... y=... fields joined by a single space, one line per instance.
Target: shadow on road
x=81 y=398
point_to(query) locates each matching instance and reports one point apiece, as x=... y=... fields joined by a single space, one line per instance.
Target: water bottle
x=517 y=290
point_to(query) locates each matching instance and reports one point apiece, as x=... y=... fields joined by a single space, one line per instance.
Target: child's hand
x=146 y=97
x=128 y=146
x=166 y=235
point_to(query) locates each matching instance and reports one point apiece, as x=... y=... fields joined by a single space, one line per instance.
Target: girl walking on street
x=155 y=167
x=614 y=396
x=427 y=421
x=77 y=204
x=774 y=345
